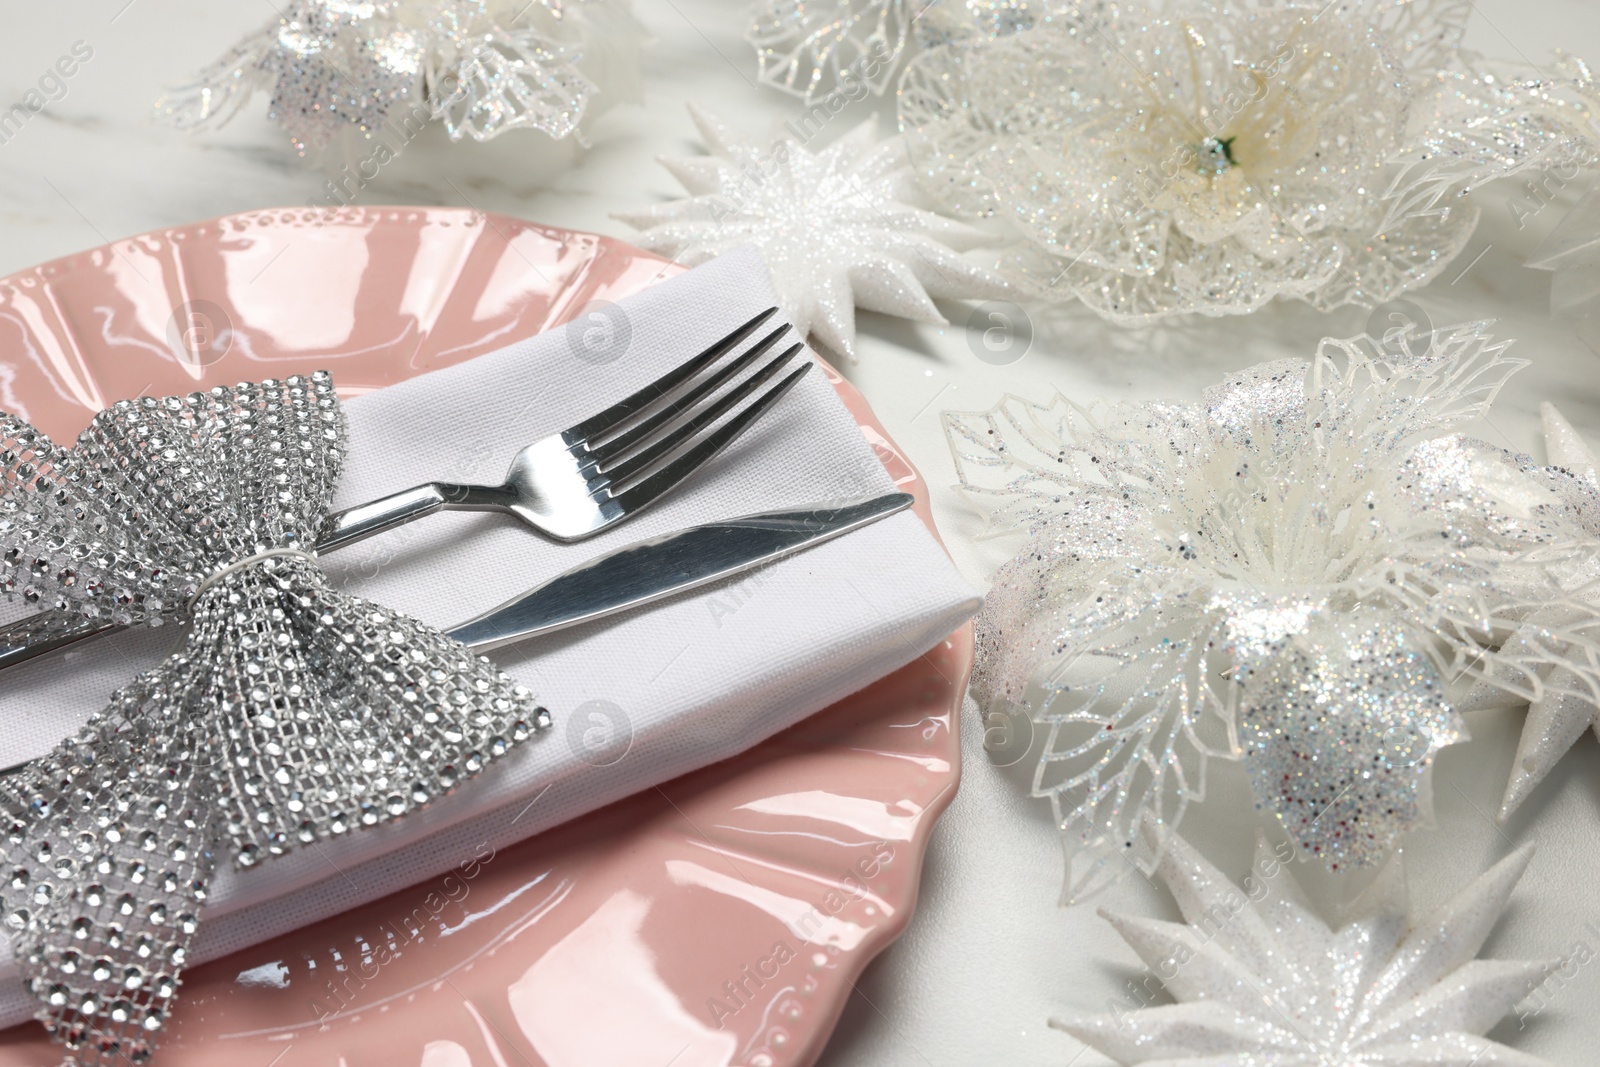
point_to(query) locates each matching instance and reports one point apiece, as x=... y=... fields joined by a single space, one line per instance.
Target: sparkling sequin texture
x=1198 y=157
x=1336 y=728
x=1289 y=572
x=1261 y=980
x=482 y=67
x=291 y=713
x=838 y=227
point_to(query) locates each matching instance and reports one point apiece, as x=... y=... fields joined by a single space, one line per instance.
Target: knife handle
x=45 y=632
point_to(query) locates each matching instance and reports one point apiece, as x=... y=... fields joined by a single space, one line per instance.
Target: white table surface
x=990 y=956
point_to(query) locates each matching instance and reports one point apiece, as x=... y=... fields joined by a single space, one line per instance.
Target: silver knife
x=651 y=570
x=626 y=578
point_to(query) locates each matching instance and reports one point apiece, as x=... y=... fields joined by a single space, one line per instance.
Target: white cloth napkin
x=685 y=683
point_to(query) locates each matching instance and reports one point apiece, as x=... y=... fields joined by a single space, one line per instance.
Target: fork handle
x=375 y=516
x=49 y=630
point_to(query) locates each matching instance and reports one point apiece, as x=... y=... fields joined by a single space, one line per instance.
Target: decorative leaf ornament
x=811 y=49
x=1490 y=119
x=816 y=49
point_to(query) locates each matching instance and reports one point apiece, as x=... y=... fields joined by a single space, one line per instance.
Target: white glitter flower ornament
x=482 y=67
x=1290 y=571
x=1259 y=978
x=838 y=227
x=1204 y=156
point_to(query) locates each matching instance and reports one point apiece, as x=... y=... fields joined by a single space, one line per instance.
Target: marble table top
x=990 y=957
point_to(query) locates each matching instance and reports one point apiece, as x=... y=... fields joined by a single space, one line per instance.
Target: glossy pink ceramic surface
x=720 y=919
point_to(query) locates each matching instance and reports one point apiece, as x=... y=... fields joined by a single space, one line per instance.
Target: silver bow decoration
x=292 y=713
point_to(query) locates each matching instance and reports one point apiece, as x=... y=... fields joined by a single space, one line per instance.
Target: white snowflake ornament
x=840 y=227
x=1259 y=979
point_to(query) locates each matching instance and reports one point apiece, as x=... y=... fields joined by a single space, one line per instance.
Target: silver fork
x=568 y=486
x=575 y=483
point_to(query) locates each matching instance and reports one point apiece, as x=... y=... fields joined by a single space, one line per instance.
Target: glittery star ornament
x=839 y=227
x=481 y=67
x=1289 y=572
x=1197 y=157
x=1259 y=978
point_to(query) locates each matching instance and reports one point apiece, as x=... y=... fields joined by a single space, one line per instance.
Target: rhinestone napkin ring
x=291 y=713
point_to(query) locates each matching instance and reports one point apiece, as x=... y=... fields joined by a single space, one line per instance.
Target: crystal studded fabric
x=291 y=713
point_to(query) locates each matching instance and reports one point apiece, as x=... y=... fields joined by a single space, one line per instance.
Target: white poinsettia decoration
x=480 y=67
x=839 y=227
x=1291 y=572
x=1260 y=979
x=1194 y=156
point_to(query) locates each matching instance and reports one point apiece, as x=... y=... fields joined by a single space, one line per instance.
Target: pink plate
x=720 y=919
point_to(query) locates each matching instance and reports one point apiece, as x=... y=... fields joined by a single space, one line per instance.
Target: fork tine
x=664 y=479
x=639 y=401
x=658 y=450
x=624 y=443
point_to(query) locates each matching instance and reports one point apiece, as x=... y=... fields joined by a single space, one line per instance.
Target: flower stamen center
x=1215 y=155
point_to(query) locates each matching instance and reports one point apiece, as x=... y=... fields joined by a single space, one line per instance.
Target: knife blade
x=651 y=570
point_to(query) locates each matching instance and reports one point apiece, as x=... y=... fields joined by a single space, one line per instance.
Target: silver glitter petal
x=1339 y=733
x=833 y=50
x=291 y=713
x=1489 y=119
x=1502 y=497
